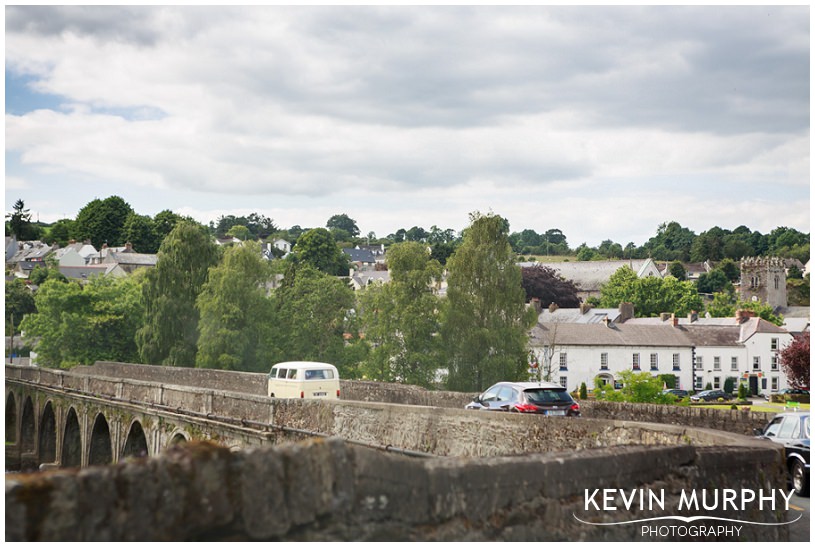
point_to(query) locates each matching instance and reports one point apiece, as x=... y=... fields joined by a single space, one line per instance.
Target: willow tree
x=235 y=312
x=485 y=323
x=400 y=318
x=170 y=334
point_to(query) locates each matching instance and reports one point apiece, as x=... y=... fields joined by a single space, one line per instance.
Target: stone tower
x=764 y=279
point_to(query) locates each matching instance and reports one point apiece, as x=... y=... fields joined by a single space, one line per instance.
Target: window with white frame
x=757 y=362
x=635 y=361
x=717 y=363
x=654 y=361
x=734 y=363
x=774 y=344
x=774 y=362
x=563 y=381
x=676 y=361
x=774 y=383
x=716 y=382
x=604 y=361
x=697 y=383
x=563 y=365
x=698 y=362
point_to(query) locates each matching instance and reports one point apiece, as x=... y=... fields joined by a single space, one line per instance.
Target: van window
x=292 y=375
x=319 y=374
x=281 y=372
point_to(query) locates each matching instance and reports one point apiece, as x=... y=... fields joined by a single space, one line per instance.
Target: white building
x=582 y=352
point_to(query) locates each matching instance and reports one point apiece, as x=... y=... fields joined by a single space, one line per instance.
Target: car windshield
x=545 y=395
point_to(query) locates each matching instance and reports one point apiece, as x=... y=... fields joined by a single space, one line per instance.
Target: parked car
x=787 y=391
x=711 y=395
x=791 y=430
x=680 y=393
x=304 y=380
x=527 y=397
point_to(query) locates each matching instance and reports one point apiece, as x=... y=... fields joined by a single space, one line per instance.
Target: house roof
x=360 y=255
x=85 y=272
x=136 y=259
x=575 y=315
x=589 y=275
x=575 y=334
x=706 y=336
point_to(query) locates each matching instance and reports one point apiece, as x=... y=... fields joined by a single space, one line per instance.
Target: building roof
x=136 y=259
x=86 y=272
x=576 y=315
x=706 y=336
x=575 y=334
x=589 y=275
x=360 y=255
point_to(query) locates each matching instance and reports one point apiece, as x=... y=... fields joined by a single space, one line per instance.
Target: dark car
x=711 y=395
x=679 y=393
x=527 y=397
x=791 y=430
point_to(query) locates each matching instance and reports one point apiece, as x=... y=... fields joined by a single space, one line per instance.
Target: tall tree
x=60 y=232
x=318 y=248
x=140 y=231
x=650 y=295
x=311 y=310
x=19 y=223
x=19 y=303
x=343 y=222
x=544 y=283
x=80 y=324
x=234 y=311
x=400 y=318
x=102 y=221
x=485 y=324
x=795 y=361
x=170 y=335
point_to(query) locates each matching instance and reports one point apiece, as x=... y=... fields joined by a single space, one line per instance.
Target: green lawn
x=772 y=408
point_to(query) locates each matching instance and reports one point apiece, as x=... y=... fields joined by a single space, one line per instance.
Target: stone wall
x=328 y=490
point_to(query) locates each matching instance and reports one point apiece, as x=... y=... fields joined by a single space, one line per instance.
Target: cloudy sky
x=602 y=122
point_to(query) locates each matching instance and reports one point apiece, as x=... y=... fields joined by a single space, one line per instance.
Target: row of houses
x=590 y=345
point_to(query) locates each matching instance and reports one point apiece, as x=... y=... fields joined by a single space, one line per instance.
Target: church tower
x=764 y=279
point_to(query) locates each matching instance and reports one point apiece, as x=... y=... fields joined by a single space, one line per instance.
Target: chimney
x=535 y=302
x=584 y=308
x=744 y=315
x=664 y=316
x=626 y=311
x=128 y=247
x=693 y=316
x=71 y=242
x=553 y=307
x=674 y=320
x=607 y=321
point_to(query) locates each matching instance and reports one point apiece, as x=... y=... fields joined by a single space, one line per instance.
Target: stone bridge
x=456 y=473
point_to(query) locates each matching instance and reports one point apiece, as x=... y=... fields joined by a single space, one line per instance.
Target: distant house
x=11 y=247
x=75 y=254
x=590 y=275
x=585 y=314
x=229 y=240
x=28 y=251
x=130 y=261
x=377 y=250
x=86 y=272
x=362 y=279
x=363 y=259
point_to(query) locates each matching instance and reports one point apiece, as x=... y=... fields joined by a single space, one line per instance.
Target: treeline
x=223 y=307
x=112 y=221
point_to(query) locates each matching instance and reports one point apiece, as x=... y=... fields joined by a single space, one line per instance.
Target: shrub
x=742 y=391
x=584 y=393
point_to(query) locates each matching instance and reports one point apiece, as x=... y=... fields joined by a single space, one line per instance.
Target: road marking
x=797 y=508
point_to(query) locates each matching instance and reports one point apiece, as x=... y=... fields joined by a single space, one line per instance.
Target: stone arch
x=11 y=418
x=136 y=443
x=71 y=441
x=178 y=437
x=101 y=451
x=28 y=429
x=48 y=435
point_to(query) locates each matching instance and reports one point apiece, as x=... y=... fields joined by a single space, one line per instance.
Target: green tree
x=318 y=248
x=60 y=232
x=234 y=312
x=170 y=335
x=19 y=219
x=637 y=387
x=677 y=270
x=163 y=224
x=343 y=222
x=672 y=242
x=485 y=322
x=140 y=231
x=730 y=269
x=311 y=311
x=81 y=324
x=713 y=282
x=19 y=303
x=650 y=295
x=400 y=319
x=239 y=231
x=727 y=304
x=102 y=221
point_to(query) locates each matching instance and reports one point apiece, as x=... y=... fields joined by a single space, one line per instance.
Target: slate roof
x=705 y=336
x=360 y=255
x=574 y=315
x=136 y=259
x=86 y=272
x=589 y=275
x=574 y=334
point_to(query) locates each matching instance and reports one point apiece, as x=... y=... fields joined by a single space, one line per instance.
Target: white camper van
x=304 y=380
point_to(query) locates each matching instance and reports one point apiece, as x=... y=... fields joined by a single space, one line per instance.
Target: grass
x=772 y=408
